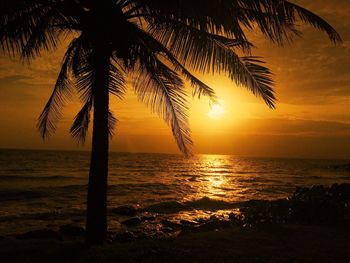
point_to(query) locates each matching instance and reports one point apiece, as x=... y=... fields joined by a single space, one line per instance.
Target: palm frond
x=253 y=75
x=42 y=37
x=112 y=123
x=161 y=88
x=83 y=69
x=206 y=54
x=81 y=122
x=28 y=27
x=276 y=19
x=18 y=18
x=157 y=48
x=62 y=91
x=117 y=84
x=312 y=19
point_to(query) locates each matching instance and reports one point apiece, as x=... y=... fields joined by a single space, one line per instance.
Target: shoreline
x=313 y=205
x=312 y=225
x=278 y=243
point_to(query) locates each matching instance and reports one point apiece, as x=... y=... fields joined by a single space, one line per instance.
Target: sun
x=216 y=110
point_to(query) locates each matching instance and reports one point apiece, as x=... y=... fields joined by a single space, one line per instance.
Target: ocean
x=48 y=188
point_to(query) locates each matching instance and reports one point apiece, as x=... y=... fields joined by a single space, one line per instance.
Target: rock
x=216 y=218
x=132 y=221
x=202 y=220
x=124 y=237
x=166 y=207
x=211 y=226
x=141 y=234
x=111 y=234
x=235 y=219
x=148 y=218
x=126 y=210
x=72 y=230
x=207 y=203
x=187 y=223
x=173 y=225
x=40 y=234
x=167 y=229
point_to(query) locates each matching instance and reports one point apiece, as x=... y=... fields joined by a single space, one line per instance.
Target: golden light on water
x=214 y=175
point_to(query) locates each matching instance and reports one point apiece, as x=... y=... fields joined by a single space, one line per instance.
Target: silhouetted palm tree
x=157 y=42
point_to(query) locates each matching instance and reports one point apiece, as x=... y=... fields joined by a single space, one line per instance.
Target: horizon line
x=179 y=154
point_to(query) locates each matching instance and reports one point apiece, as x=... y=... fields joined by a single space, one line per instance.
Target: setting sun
x=216 y=110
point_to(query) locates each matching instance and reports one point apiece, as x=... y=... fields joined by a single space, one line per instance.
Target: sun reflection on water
x=213 y=185
x=213 y=177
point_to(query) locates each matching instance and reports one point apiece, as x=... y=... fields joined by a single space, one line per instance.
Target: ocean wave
x=204 y=203
x=252 y=172
x=30 y=177
x=19 y=170
x=114 y=189
x=16 y=195
x=40 y=192
x=341 y=167
x=141 y=186
x=50 y=215
x=215 y=171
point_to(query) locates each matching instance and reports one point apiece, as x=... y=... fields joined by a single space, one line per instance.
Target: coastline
x=286 y=243
x=307 y=205
x=312 y=225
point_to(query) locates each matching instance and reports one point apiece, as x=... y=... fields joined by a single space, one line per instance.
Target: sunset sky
x=312 y=118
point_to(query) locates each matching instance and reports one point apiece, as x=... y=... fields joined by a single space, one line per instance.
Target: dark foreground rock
x=308 y=205
x=72 y=230
x=187 y=223
x=126 y=210
x=132 y=221
x=166 y=207
x=124 y=237
x=171 y=224
x=211 y=225
x=40 y=234
x=277 y=244
x=207 y=203
x=148 y=218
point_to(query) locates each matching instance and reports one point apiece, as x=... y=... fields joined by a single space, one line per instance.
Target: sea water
x=47 y=188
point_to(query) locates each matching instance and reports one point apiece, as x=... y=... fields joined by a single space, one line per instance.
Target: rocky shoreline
x=314 y=205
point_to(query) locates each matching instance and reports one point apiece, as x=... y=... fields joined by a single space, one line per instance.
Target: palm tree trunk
x=96 y=222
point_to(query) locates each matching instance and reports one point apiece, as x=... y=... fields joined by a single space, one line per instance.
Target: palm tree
x=157 y=44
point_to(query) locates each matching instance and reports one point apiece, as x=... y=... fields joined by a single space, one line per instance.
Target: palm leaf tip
x=314 y=20
x=161 y=88
x=81 y=122
x=61 y=93
x=250 y=73
x=112 y=123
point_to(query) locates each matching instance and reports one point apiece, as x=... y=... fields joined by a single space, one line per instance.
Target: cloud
x=298 y=127
x=13 y=79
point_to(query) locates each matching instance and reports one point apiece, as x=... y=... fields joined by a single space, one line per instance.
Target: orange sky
x=312 y=118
